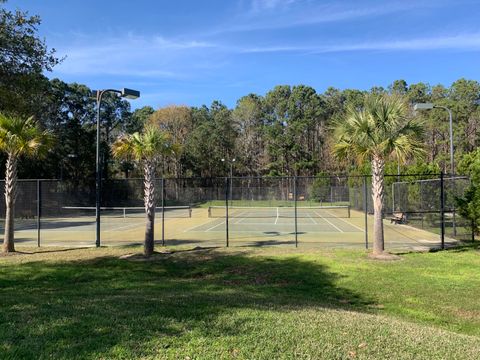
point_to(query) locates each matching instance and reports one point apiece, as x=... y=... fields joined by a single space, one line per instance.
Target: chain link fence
x=330 y=211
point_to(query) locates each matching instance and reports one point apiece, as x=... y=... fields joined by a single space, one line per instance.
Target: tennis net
x=339 y=211
x=130 y=212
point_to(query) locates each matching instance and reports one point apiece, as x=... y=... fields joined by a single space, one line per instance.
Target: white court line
x=278 y=215
x=223 y=222
x=282 y=232
x=196 y=226
x=125 y=227
x=213 y=227
x=237 y=218
x=346 y=222
x=209 y=220
x=311 y=218
x=266 y=224
x=336 y=227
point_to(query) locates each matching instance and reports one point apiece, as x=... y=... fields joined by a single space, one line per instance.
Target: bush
x=469 y=206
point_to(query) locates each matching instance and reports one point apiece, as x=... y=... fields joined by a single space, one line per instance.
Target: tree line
x=287 y=131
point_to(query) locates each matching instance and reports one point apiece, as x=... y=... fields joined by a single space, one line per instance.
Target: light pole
x=429 y=106
x=125 y=93
x=231 y=179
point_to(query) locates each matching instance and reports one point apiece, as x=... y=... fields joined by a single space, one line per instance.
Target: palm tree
x=146 y=148
x=19 y=137
x=380 y=130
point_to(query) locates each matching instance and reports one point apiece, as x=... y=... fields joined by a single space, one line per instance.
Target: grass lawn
x=239 y=304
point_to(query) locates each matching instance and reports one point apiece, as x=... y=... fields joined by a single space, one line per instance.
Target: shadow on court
x=175 y=242
x=269 y=243
x=48 y=225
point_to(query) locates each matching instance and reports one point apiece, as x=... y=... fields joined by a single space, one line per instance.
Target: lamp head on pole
x=129 y=94
x=124 y=93
x=423 y=106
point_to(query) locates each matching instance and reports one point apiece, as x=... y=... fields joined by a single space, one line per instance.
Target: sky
x=193 y=52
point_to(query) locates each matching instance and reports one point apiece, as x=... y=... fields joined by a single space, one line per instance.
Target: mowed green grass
x=239 y=304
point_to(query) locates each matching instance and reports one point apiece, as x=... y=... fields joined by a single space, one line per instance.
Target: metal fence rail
x=245 y=211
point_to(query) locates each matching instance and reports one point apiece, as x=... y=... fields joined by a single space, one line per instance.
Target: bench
x=398 y=218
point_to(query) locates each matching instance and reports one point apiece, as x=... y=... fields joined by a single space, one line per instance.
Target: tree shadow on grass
x=93 y=308
x=268 y=243
x=466 y=246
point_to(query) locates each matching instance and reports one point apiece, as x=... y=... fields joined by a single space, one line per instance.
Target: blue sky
x=193 y=52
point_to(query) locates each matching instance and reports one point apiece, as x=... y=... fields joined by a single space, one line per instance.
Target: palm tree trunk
x=378 y=166
x=149 y=199
x=10 y=192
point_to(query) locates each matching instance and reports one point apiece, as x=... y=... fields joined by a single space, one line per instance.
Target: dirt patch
x=140 y=257
x=162 y=254
x=384 y=257
x=15 y=253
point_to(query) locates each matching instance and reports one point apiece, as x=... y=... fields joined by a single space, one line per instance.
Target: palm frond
x=149 y=145
x=23 y=137
x=380 y=128
x=122 y=148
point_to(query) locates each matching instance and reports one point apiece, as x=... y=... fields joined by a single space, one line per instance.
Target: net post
x=226 y=211
x=365 y=206
x=295 y=205
x=442 y=212
x=163 y=210
x=39 y=209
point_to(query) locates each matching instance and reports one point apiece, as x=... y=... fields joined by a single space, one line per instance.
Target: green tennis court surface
x=279 y=220
x=327 y=226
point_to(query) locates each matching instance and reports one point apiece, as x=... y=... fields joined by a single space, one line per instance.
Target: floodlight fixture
x=423 y=106
x=129 y=94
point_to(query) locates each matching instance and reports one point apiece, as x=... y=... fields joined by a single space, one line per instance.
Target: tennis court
x=76 y=225
x=279 y=220
x=261 y=211
x=327 y=226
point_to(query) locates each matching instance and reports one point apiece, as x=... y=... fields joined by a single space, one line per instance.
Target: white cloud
x=160 y=58
x=284 y=14
x=464 y=42
x=258 y=6
x=132 y=55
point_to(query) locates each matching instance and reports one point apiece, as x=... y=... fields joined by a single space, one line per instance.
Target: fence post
x=39 y=210
x=295 y=205
x=473 y=231
x=442 y=212
x=365 y=206
x=163 y=211
x=226 y=210
x=331 y=192
x=393 y=195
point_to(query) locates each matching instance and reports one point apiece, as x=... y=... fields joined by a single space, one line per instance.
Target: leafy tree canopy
x=24 y=56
